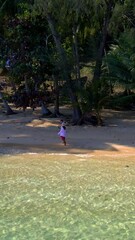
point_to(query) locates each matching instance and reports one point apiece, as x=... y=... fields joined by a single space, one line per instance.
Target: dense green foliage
x=54 y=41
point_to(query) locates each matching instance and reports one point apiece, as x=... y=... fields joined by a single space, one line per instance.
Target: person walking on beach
x=62 y=133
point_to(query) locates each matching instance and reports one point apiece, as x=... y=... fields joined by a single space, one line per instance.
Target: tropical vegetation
x=76 y=52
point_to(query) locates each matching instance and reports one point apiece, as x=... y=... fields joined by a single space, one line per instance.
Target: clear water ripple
x=60 y=197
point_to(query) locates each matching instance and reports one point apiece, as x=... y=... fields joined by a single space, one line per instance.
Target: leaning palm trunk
x=62 y=55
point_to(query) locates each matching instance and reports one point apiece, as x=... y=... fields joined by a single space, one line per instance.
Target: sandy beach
x=27 y=132
x=51 y=191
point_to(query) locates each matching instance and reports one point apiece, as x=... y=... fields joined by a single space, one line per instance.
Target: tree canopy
x=85 y=47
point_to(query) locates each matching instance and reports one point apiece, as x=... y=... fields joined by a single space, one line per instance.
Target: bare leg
x=64 y=142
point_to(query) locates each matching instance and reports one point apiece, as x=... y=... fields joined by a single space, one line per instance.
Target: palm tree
x=120 y=61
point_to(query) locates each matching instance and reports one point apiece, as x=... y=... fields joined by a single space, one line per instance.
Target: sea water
x=67 y=197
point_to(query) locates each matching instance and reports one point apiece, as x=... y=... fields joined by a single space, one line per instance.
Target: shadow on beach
x=30 y=134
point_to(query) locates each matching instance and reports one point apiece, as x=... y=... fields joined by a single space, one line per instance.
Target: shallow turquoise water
x=45 y=197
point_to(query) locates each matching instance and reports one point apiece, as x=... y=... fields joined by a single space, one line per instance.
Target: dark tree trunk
x=76 y=54
x=56 y=97
x=64 y=69
x=100 y=54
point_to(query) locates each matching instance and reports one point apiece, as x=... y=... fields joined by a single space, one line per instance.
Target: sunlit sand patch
x=122 y=147
x=42 y=123
x=31 y=153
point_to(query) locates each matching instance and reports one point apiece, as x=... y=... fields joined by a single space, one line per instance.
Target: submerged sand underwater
x=51 y=196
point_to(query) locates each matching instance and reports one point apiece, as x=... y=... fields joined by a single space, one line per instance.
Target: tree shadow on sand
x=29 y=134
